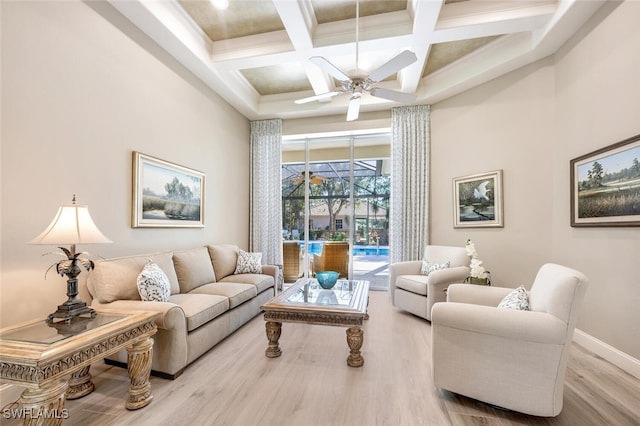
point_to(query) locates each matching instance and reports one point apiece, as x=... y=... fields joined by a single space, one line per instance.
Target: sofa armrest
x=524 y=326
x=271 y=270
x=477 y=294
x=172 y=315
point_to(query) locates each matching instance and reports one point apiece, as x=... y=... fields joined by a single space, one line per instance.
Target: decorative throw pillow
x=248 y=263
x=153 y=284
x=517 y=299
x=428 y=267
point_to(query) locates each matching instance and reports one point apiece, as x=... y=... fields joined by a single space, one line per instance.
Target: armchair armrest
x=411 y=267
x=172 y=315
x=477 y=294
x=525 y=326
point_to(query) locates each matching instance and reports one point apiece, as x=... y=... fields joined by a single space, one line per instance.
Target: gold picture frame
x=166 y=195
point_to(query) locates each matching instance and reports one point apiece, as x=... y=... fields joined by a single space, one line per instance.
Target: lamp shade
x=72 y=225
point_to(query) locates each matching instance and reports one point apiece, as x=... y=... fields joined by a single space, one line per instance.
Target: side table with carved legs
x=53 y=361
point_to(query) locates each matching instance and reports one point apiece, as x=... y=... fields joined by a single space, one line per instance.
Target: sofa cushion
x=248 y=263
x=224 y=258
x=116 y=279
x=200 y=309
x=413 y=283
x=261 y=281
x=153 y=284
x=193 y=268
x=236 y=292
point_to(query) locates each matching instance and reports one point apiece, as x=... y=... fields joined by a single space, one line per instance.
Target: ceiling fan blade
x=393 y=65
x=298 y=181
x=392 y=95
x=318 y=97
x=354 y=107
x=329 y=68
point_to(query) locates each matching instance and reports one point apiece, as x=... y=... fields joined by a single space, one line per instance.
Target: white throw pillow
x=153 y=284
x=517 y=299
x=249 y=263
x=428 y=267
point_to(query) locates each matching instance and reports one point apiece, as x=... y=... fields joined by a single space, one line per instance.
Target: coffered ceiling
x=255 y=54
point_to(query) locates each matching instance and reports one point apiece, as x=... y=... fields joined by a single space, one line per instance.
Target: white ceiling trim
x=534 y=30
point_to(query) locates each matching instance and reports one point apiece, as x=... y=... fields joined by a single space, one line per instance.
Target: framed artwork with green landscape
x=166 y=195
x=605 y=186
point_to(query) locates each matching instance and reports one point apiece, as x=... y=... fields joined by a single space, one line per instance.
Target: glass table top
x=308 y=292
x=44 y=333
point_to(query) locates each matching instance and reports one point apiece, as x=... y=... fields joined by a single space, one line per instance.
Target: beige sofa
x=207 y=303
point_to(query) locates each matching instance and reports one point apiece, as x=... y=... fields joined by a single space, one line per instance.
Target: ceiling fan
x=315 y=179
x=356 y=85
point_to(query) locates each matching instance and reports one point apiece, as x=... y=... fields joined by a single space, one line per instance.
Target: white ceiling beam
x=465 y=20
x=300 y=22
x=569 y=17
x=425 y=17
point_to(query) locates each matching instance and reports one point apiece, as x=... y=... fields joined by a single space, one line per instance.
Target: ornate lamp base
x=69 y=310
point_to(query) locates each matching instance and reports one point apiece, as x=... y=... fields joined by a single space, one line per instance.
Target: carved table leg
x=44 y=406
x=80 y=384
x=355 y=337
x=139 y=368
x=273 y=334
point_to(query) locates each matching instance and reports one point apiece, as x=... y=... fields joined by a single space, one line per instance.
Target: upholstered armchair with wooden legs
x=417 y=293
x=515 y=359
x=334 y=257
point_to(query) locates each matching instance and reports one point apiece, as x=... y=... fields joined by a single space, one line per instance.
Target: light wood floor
x=310 y=384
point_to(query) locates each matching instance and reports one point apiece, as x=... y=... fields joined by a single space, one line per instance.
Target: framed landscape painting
x=605 y=186
x=478 y=200
x=166 y=194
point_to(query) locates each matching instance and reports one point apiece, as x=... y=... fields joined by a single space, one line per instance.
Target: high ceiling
x=255 y=54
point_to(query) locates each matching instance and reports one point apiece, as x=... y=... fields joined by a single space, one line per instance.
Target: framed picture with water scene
x=478 y=200
x=605 y=186
x=166 y=195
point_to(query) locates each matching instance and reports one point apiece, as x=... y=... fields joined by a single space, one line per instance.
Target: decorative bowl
x=327 y=279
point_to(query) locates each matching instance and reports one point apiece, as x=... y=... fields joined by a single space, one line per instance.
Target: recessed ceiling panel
x=242 y=18
x=339 y=10
x=443 y=54
x=275 y=79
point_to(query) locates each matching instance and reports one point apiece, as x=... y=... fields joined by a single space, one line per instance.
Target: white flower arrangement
x=477 y=270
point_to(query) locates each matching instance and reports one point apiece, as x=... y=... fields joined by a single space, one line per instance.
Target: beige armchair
x=417 y=293
x=334 y=257
x=509 y=358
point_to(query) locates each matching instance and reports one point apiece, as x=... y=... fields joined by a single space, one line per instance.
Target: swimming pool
x=316 y=248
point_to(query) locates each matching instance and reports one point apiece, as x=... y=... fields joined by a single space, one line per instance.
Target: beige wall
x=531 y=123
x=81 y=89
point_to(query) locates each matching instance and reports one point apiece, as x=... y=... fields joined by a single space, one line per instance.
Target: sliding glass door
x=335 y=195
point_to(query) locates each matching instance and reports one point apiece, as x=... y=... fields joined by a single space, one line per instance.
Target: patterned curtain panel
x=266 y=191
x=409 y=219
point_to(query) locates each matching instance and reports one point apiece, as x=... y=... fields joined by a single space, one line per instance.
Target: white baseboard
x=611 y=354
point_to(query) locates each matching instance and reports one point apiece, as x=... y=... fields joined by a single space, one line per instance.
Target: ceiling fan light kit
x=356 y=85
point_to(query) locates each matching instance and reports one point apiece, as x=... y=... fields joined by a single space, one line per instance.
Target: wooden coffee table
x=42 y=356
x=344 y=305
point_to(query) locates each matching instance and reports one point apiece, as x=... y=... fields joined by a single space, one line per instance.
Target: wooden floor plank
x=311 y=384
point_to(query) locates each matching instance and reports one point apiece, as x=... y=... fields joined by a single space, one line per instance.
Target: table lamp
x=72 y=225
